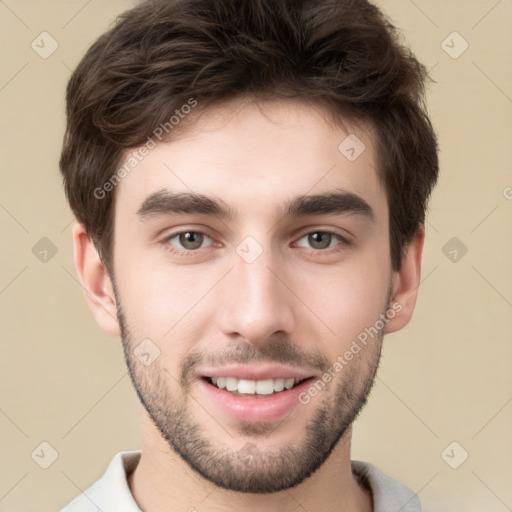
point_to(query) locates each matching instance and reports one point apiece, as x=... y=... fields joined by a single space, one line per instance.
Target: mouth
x=254 y=388
x=255 y=395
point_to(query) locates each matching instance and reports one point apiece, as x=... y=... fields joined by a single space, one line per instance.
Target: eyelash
x=193 y=252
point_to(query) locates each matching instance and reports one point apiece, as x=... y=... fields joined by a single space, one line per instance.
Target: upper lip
x=260 y=372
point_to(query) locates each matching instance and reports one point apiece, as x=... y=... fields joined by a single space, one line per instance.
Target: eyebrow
x=164 y=202
x=332 y=202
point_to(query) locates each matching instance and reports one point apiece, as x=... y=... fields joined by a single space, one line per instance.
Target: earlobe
x=96 y=283
x=405 y=284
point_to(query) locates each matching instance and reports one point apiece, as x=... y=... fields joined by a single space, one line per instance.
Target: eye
x=320 y=240
x=189 y=240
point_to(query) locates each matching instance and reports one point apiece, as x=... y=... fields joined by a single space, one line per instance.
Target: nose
x=255 y=301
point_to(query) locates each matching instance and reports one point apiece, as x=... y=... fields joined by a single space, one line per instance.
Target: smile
x=254 y=395
x=244 y=387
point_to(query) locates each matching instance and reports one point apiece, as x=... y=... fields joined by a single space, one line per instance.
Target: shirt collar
x=112 y=492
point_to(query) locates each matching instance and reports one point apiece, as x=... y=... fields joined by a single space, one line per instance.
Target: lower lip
x=256 y=408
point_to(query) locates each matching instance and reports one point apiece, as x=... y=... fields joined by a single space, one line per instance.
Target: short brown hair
x=342 y=54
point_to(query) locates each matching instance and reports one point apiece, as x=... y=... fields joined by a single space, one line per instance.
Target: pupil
x=320 y=240
x=191 y=240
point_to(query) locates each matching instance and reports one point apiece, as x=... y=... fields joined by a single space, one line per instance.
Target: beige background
x=446 y=377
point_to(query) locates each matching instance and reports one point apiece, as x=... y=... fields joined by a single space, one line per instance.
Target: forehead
x=255 y=156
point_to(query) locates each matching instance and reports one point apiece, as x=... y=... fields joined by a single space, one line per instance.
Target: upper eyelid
x=172 y=234
x=344 y=235
x=334 y=233
x=297 y=233
x=342 y=240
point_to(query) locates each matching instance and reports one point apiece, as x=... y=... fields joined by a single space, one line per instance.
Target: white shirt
x=111 y=492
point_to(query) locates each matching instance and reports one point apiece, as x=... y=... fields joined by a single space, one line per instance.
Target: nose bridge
x=254 y=302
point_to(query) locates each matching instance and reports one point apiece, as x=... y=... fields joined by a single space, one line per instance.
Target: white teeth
x=251 y=387
x=279 y=385
x=231 y=384
x=265 y=387
x=288 y=383
x=246 y=386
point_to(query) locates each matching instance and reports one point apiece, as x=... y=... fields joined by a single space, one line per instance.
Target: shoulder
x=111 y=490
x=388 y=493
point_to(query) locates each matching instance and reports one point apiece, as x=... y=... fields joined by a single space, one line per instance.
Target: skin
x=295 y=302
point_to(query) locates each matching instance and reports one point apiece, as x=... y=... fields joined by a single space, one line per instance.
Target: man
x=250 y=182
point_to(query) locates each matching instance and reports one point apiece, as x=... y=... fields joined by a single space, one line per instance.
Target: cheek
x=159 y=301
x=347 y=300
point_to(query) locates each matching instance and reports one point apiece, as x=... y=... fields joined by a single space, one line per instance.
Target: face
x=250 y=254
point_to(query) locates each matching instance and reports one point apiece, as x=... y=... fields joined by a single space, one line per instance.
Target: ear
x=405 y=284
x=99 y=292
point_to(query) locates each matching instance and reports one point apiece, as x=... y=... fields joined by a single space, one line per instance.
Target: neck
x=163 y=481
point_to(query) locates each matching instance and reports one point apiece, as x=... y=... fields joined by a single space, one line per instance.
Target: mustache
x=274 y=351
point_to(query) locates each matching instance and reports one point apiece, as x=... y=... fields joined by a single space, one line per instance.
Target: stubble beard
x=249 y=469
